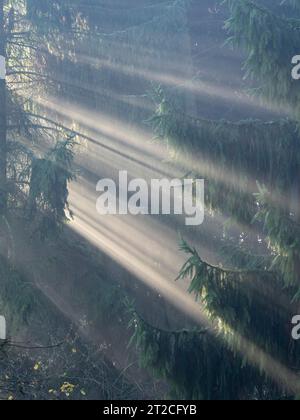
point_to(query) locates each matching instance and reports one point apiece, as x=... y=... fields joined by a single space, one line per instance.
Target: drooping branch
x=270 y=42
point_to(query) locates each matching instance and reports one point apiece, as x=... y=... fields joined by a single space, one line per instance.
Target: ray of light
x=127 y=253
x=177 y=297
x=139 y=142
x=194 y=86
x=153 y=239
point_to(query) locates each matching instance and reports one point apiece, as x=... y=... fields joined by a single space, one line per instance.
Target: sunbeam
x=149 y=217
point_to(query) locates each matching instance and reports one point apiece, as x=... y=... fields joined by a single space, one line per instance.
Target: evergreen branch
x=188 y=250
x=239 y=298
x=283 y=232
x=227 y=154
x=136 y=317
x=270 y=42
x=198 y=366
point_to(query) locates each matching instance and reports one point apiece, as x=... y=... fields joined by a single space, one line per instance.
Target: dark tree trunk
x=3 y=129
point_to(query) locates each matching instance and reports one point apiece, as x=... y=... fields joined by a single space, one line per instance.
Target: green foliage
x=48 y=197
x=270 y=42
x=231 y=156
x=240 y=298
x=207 y=364
x=283 y=235
x=37 y=184
x=199 y=365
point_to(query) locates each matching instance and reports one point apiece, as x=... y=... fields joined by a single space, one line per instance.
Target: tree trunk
x=3 y=121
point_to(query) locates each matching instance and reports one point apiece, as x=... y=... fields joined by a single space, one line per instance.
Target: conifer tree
x=36 y=152
x=251 y=170
x=26 y=133
x=43 y=41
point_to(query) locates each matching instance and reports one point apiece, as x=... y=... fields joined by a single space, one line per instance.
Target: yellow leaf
x=37 y=366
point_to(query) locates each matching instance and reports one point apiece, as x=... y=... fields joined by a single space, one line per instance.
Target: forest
x=150 y=201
